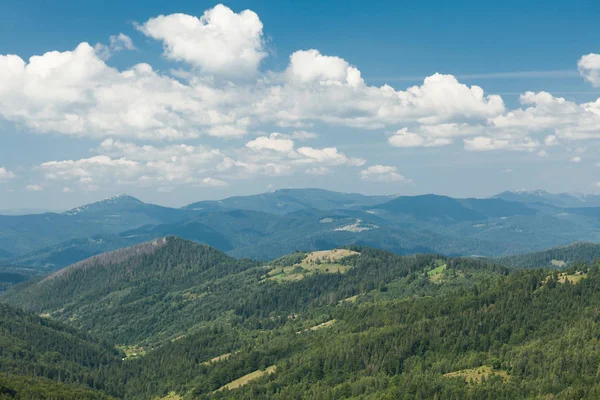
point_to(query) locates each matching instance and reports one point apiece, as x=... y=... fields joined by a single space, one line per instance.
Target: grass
x=216 y=359
x=324 y=262
x=573 y=278
x=320 y=326
x=132 y=351
x=477 y=375
x=437 y=270
x=349 y=299
x=244 y=380
x=436 y=275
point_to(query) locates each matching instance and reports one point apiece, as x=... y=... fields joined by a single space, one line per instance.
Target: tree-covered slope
x=289 y=200
x=20 y=234
x=40 y=358
x=556 y=257
x=353 y=323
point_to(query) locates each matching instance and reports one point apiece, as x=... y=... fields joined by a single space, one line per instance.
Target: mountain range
x=273 y=224
x=173 y=319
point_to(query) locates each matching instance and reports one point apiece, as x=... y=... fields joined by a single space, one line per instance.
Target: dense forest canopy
x=175 y=319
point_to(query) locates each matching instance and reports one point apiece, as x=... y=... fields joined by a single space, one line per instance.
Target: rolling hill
x=340 y=323
x=40 y=359
x=284 y=201
x=404 y=225
x=24 y=233
x=556 y=257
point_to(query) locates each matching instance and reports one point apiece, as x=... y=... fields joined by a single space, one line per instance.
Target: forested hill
x=346 y=323
x=42 y=359
x=556 y=257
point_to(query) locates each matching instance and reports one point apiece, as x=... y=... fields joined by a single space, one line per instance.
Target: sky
x=175 y=102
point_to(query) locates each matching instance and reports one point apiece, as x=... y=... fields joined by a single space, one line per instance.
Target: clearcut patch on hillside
x=244 y=380
x=476 y=376
x=324 y=262
x=326 y=324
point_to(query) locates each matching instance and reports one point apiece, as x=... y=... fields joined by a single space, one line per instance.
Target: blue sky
x=220 y=107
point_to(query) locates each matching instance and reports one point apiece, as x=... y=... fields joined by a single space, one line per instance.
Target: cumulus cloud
x=34 y=188
x=220 y=42
x=328 y=156
x=310 y=66
x=6 y=175
x=568 y=120
x=382 y=173
x=404 y=138
x=483 y=143
x=125 y=163
x=589 y=68
x=117 y=43
x=274 y=142
x=576 y=159
x=76 y=93
x=208 y=181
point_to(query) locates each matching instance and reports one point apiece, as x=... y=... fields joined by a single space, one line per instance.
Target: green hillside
x=556 y=257
x=40 y=358
x=348 y=323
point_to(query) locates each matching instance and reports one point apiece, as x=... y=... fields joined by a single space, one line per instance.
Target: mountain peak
x=119 y=200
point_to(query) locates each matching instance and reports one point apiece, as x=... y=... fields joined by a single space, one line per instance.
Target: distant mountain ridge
x=273 y=224
x=284 y=201
x=554 y=199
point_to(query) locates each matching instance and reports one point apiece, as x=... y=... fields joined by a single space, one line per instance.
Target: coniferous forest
x=174 y=319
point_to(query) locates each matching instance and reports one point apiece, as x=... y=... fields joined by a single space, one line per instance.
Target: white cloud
x=123 y=163
x=382 y=173
x=67 y=189
x=567 y=120
x=589 y=68
x=484 y=143
x=551 y=140
x=208 y=181
x=275 y=142
x=310 y=66
x=34 y=188
x=118 y=43
x=6 y=175
x=328 y=156
x=404 y=138
x=576 y=159
x=221 y=42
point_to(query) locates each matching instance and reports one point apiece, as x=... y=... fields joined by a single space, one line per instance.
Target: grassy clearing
x=558 y=263
x=216 y=359
x=132 y=351
x=572 y=278
x=477 y=375
x=349 y=300
x=436 y=275
x=331 y=255
x=244 y=380
x=320 y=326
x=325 y=262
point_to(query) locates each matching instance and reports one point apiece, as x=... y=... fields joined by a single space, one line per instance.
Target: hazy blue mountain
x=24 y=233
x=555 y=199
x=556 y=257
x=404 y=225
x=288 y=200
x=447 y=209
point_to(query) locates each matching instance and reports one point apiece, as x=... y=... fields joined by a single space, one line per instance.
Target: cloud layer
x=219 y=89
